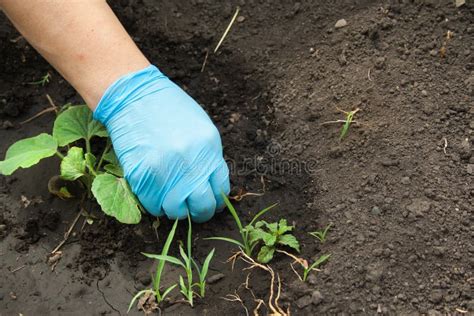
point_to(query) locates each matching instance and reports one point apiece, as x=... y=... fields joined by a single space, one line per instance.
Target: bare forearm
x=82 y=39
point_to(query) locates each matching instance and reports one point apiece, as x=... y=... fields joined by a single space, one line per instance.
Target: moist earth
x=398 y=190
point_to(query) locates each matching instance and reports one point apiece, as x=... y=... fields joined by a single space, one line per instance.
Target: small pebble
x=316 y=297
x=215 y=278
x=340 y=23
x=304 y=301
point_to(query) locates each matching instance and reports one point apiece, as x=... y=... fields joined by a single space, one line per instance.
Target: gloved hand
x=169 y=149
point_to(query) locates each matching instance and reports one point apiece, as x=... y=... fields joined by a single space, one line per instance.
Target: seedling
x=321 y=234
x=187 y=262
x=347 y=122
x=271 y=234
x=247 y=244
x=307 y=268
x=106 y=183
x=44 y=80
x=160 y=296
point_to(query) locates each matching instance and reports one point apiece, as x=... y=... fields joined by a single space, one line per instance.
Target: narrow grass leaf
x=238 y=243
x=136 y=297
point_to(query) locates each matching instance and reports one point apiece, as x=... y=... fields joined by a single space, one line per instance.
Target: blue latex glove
x=168 y=147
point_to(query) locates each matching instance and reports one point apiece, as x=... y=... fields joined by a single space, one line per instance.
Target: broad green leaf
x=270 y=240
x=111 y=157
x=290 y=241
x=114 y=169
x=76 y=123
x=272 y=227
x=90 y=160
x=283 y=227
x=28 y=152
x=258 y=234
x=116 y=199
x=73 y=166
x=265 y=254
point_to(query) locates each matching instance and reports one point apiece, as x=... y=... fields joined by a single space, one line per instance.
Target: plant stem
x=88 y=145
x=101 y=160
x=59 y=155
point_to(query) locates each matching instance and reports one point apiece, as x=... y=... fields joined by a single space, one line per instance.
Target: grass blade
x=136 y=297
x=169 y=259
x=205 y=265
x=261 y=213
x=319 y=261
x=233 y=241
x=168 y=290
x=164 y=251
x=233 y=212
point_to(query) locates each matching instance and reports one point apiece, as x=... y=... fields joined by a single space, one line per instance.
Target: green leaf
x=205 y=266
x=116 y=199
x=167 y=291
x=166 y=258
x=164 y=252
x=183 y=255
x=270 y=240
x=283 y=227
x=233 y=212
x=111 y=157
x=28 y=152
x=90 y=160
x=290 y=241
x=318 y=262
x=182 y=286
x=256 y=234
x=233 y=241
x=143 y=292
x=114 y=169
x=272 y=227
x=76 y=123
x=73 y=166
x=266 y=254
x=261 y=213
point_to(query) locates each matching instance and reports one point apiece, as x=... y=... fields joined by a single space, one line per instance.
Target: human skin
x=82 y=39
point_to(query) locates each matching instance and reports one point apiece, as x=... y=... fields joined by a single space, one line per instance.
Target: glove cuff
x=128 y=88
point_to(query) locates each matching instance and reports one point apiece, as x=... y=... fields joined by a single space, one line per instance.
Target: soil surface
x=398 y=190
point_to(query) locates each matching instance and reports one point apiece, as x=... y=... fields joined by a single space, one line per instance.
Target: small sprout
x=44 y=80
x=187 y=262
x=307 y=268
x=347 y=122
x=160 y=296
x=247 y=244
x=321 y=234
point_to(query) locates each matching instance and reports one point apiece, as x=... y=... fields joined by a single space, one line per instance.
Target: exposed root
x=52 y=108
x=236 y=298
x=67 y=234
x=273 y=305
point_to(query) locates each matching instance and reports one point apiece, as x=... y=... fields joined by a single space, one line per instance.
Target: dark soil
x=398 y=190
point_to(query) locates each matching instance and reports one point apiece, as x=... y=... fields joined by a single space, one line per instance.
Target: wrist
x=126 y=89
